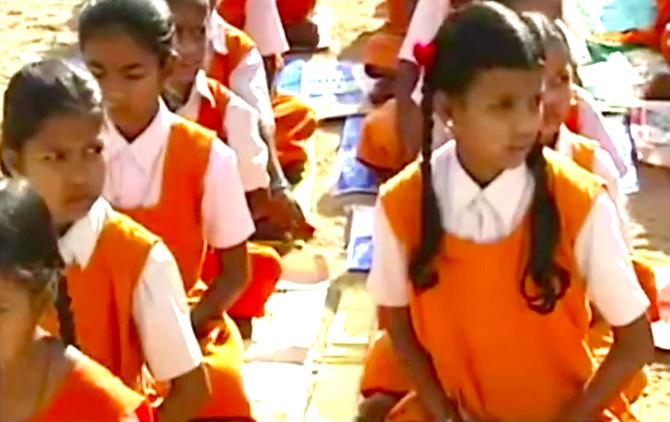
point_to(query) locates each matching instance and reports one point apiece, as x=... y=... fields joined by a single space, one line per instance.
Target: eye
x=134 y=76
x=53 y=156
x=94 y=151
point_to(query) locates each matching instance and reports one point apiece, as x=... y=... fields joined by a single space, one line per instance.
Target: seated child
x=260 y=20
x=204 y=100
x=380 y=56
x=509 y=340
x=126 y=298
x=174 y=177
x=234 y=61
x=42 y=379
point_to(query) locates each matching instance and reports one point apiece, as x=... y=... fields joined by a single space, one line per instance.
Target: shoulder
x=574 y=190
x=128 y=231
x=401 y=203
x=189 y=137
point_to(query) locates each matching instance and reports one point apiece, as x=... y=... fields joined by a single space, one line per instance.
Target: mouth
x=79 y=202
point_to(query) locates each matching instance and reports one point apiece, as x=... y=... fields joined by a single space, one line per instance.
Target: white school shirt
x=263 y=24
x=248 y=79
x=135 y=175
x=160 y=310
x=490 y=214
x=242 y=129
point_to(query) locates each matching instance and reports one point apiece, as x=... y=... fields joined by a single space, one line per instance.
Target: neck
x=18 y=365
x=481 y=173
x=177 y=94
x=131 y=130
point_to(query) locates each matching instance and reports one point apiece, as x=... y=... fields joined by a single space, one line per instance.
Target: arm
x=161 y=315
x=409 y=128
x=227 y=224
x=603 y=258
x=188 y=393
x=249 y=82
x=419 y=363
x=632 y=349
x=264 y=25
x=225 y=289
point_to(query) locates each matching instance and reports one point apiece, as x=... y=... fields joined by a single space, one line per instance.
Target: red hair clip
x=425 y=54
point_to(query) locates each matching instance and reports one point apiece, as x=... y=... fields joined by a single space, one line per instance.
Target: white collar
x=146 y=148
x=502 y=194
x=77 y=245
x=199 y=91
x=216 y=33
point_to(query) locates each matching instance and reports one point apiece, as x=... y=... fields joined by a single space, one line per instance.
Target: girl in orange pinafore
x=486 y=285
x=235 y=61
x=125 y=298
x=174 y=177
x=42 y=379
x=198 y=98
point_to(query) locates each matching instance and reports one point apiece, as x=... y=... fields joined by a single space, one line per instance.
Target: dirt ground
x=35 y=26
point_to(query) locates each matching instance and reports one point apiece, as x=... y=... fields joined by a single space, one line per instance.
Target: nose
x=113 y=91
x=527 y=121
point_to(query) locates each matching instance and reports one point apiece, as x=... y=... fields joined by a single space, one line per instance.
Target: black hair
x=42 y=90
x=475 y=38
x=548 y=33
x=29 y=247
x=148 y=22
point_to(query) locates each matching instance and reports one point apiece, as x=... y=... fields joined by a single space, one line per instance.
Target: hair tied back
x=425 y=54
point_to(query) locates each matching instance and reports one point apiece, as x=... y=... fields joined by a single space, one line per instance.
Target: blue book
x=360 y=248
x=353 y=176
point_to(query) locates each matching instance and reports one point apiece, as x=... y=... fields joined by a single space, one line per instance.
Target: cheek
x=16 y=328
x=48 y=182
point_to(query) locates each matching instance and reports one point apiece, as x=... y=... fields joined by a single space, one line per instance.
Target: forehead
x=114 y=49
x=67 y=131
x=496 y=83
x=10 y=290
x=189 y=13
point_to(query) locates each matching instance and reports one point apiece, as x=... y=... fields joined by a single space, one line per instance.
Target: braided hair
x=478 y=37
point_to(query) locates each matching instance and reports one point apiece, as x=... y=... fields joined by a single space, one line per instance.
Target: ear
x=10 y=162
x=443 y=106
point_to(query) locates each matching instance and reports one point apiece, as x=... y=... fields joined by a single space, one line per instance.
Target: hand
x=287 y=214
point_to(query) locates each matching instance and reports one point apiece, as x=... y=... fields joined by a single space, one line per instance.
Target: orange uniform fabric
x=380 y=146
x=383 y=372
x=233 y=12
x=266 y=270
x=295 y=121
x=211 y=115
x=102 y=298
x=381 y=51
x=292 y=12
x=90 y=392
x=495 y=374
x=177 y=218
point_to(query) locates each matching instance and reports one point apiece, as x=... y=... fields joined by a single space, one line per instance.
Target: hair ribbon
x=425 y=54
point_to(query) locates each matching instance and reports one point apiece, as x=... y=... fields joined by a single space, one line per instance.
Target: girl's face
x=496 y=121
x=131 y=78
x=557 y=95
x=18 y=318
x=63 y=162
x=191 y=21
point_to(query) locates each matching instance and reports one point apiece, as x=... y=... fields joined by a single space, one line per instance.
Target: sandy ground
x=35 y=26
